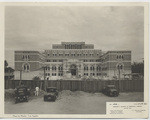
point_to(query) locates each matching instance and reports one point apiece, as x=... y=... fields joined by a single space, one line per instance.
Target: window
x=60 y=54
x=48 y=68
x=98 y=74
x=26 y=67
x=92 y=74
x=60 y=74
x=54 y=54
x=120 y=57
x=60 y=68
x=53 y=74
x=98 y=68
x=72 y=54
x=25 y=57
x=54 y=60
x=66 y=54
x=91 y=60
x=85 y=68
x=85 y=74
x=54 y=68
x=92 y=68
x=119 y=67
x=48 y=60
x=85 y=60
x=98 y=60
x=60 y=60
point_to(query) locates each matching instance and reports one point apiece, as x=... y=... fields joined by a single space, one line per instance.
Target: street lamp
x=119 y=67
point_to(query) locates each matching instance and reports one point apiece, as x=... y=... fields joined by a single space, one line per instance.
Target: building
x=72 y=60
x=9 y=73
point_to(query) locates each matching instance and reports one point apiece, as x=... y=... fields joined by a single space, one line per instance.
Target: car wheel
x=110 y=94
x=16 y=101
x=115 y=94
x=44 y=98
x=54 y=98
x=26 y=99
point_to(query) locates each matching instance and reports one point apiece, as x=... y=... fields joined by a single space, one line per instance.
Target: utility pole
x=20 y=77
x=44 y=79
x=119 y=68
x=119 y=79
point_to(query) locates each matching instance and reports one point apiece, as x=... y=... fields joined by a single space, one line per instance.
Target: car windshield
x=51 y=90
x=21 y=89
x=111 y=87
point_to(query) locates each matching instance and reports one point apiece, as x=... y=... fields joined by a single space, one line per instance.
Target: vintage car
x=110 y=90
x=51 y=94
x=22 y=94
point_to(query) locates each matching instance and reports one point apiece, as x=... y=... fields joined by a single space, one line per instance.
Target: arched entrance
x=73 y=70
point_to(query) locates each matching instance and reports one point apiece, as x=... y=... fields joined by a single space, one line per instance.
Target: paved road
x=70 y=103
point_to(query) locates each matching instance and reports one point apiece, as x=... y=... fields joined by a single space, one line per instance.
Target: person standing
x=37 y=91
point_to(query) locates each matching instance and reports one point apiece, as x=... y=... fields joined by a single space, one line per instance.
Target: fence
x=81 y=85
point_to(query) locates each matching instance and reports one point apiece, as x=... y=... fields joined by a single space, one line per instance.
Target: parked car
x=110 y=90
x=22 y=94
x=51 y=94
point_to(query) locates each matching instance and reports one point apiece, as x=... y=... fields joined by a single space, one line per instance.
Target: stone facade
x=73 y=60
x=114 y=62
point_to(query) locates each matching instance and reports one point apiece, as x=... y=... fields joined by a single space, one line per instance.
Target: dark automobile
x=110 y=90
x=22 y=94
x=51 y=94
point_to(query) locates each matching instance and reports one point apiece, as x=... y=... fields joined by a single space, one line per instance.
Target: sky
x=107 y=27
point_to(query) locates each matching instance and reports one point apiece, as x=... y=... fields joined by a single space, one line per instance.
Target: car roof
x=21 y=87
x=51 y=88
x=110 y=85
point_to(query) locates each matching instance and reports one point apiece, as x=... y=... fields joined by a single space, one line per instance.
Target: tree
x=6 y=64
x=9 y=72
x=138 y=68
x=36 y=80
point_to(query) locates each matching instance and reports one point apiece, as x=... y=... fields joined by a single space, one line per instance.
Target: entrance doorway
x=73 y=70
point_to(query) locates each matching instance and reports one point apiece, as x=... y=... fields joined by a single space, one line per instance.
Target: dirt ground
x=69 y=103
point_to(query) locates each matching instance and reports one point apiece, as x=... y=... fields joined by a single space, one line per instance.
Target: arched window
x=120 y=66
x=26 y=67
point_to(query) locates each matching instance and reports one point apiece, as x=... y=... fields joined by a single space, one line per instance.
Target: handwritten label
x=126 y=108
x=25 y=116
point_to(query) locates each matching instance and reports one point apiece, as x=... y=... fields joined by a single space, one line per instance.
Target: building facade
x=72 y=60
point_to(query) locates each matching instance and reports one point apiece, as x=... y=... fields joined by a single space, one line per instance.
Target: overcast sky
x=108 y=28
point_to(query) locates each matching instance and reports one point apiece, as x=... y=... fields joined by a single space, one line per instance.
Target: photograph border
x=146 y=58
